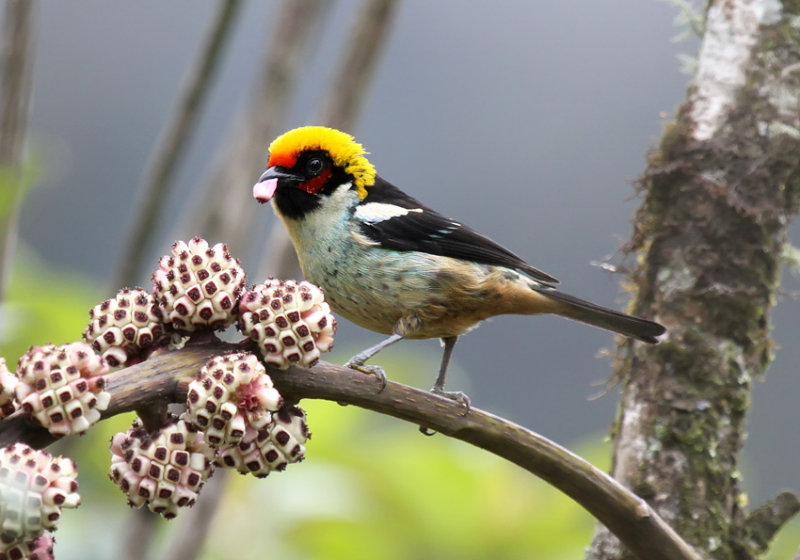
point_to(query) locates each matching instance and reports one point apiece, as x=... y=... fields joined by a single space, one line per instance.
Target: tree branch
x=368 y=37
x=175 y=141
x=140 y=532
x=192 y=531
x=166 y=376
x=228 y=213
x=764 y=522
x=14 y=100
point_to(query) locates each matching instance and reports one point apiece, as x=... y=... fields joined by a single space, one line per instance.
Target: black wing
x=430 y=232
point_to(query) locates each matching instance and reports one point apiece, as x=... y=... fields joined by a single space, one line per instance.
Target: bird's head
x=310 y=162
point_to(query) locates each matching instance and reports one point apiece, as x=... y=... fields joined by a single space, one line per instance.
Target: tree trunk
x=719 y=194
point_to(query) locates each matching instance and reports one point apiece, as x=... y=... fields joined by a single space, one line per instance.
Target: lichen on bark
x=709 y=237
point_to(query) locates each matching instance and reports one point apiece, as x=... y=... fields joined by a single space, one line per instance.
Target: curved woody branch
x=165 y=376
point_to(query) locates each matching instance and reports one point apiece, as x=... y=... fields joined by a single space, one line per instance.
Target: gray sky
x=526 y=120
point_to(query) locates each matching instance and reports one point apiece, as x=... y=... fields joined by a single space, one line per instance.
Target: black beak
x=279 y=173
x=267 y=184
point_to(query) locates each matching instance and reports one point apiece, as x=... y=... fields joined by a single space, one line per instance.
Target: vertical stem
x=157 y=184
x=194 y=525
x=187 y=540
x=368 y=37
x=225 y=210
x=174 y=142
x=15 y=80
x=139 y=535
x=341 y=106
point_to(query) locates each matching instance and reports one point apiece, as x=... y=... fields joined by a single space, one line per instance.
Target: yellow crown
x=345 y=152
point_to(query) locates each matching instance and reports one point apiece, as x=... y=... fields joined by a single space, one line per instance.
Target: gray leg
x=357 y=361
x=438 y=387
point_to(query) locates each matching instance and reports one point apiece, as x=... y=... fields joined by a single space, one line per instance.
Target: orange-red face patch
x=313 y=186
x=286 y=160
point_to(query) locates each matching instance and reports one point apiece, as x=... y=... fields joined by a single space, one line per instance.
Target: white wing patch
x=362 y=239
x=373 y=212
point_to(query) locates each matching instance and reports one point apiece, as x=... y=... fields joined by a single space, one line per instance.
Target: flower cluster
x=62 y=387
x=201 y=288
x=289 y=321
x=37 y=549
x=34 y=487
x=8 y=383
x=124 y=326
x=270 y=448
x=198 y=286
x=232 y=392
x=234 y=417
x=244 y=417
x=164 y=469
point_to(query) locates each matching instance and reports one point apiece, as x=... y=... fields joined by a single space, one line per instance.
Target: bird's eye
x=315 y=166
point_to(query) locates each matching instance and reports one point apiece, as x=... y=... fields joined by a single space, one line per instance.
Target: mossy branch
x=166 y=375
x=765 y=521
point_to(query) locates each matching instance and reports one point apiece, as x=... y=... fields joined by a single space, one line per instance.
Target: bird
x=393 y=265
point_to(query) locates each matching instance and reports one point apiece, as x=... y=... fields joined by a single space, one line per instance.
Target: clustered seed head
x=8 y=383
x=289 y=320
x=123 y=326
x=34 y=487
x=37 y=549
x=42 y=548
x=232 y=392
x=62 y=386
x=198 y=286
x=165 y=469
x=270 y=448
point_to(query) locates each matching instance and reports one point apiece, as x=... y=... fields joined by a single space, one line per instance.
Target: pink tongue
x=265 y=190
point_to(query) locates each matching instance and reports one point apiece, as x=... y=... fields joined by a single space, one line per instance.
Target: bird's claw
x=377 y=371
x=457 y=396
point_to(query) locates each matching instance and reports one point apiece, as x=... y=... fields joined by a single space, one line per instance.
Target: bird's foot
x=377 y=371
x=457 y=396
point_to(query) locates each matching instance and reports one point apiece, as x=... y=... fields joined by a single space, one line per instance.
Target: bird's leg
x=438 y=387
x=357 y=361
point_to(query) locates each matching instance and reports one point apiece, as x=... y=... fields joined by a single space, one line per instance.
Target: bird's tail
x=598 y=316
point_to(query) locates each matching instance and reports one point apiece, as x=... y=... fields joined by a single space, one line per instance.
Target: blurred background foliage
x=371 y=487
x=389 y=491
